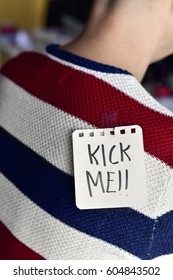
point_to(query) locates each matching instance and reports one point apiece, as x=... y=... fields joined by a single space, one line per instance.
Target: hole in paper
x=81 y=134
x=122 y=131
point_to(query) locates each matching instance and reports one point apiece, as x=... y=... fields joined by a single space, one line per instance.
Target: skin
x=129 y=34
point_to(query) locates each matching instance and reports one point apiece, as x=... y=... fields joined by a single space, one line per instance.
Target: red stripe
x=13 y=249
x=91 y=99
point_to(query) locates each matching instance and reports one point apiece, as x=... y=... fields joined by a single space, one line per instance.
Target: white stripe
x=40 y=126
x=128 y=84
x=47 y=131
x=164 y=258
x=46 y=235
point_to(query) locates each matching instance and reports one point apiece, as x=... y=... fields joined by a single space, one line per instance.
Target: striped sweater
x=44 y=97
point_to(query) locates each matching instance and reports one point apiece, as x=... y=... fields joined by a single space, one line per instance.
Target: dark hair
x=76 y=8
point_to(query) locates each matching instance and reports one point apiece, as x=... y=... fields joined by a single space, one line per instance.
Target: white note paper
x=109 y=168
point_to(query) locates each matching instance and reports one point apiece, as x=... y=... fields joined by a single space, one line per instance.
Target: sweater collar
x=60 y=53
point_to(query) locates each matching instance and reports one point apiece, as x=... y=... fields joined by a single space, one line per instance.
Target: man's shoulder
x=25 y=62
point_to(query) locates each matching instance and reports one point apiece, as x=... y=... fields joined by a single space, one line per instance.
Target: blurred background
x=28 y=24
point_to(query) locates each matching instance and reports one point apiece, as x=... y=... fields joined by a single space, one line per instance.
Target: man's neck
x=129 y=45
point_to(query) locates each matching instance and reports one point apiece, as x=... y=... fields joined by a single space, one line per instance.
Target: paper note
x=109 y=168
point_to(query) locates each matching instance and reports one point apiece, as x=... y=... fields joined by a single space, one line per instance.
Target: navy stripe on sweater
x=53 y=191
x=58 y=52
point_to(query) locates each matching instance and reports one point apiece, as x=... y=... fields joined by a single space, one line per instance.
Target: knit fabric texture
x=44 y=97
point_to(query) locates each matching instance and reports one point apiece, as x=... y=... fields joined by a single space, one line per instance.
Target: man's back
x=43 y=99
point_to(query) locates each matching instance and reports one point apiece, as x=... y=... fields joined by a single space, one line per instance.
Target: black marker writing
x=110 y=155
x=123 y=151
x=101 y=155
x=127 y=179
x=112 y=187
x=110 y=184
x=120 y=181
x=95 y=183
x=91 y=154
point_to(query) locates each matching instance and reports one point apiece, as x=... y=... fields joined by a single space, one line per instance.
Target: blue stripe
x=83 y=62
x=163 y=236
x=53 y=190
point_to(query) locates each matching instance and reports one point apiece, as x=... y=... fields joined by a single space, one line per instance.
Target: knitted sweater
x=44 y=97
